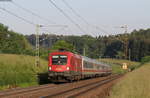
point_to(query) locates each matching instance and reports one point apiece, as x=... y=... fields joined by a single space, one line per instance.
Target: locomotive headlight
x=50 y=68
x=67 y=68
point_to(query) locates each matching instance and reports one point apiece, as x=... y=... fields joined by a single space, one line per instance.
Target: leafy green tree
x=61 y=44
x=12 y=42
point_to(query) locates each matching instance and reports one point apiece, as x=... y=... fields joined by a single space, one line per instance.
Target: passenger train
x=64 y=65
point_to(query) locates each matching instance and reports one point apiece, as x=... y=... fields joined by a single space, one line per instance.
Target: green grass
x=117 y=65
x=135 y=84
x=116 y=69
x=19 y=70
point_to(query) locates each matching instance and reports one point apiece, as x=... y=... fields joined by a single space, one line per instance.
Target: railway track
x=77 y=91
x=67 y=90
x=18 y=91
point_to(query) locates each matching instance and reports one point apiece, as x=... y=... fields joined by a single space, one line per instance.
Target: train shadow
x=43 y=78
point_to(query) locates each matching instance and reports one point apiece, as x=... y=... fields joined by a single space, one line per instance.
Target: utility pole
x=125 y=41
x=84 y=52
x=37 y=53
x=129 y=54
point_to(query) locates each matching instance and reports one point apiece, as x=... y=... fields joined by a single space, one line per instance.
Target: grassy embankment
x=135 y=84
x=117 y=65
x=19 y=70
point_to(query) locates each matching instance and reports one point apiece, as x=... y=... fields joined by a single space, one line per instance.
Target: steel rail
x=24 y=90
x=74 y=92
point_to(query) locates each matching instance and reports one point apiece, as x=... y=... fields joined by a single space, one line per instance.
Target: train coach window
x=88 y=65
x=59 y=60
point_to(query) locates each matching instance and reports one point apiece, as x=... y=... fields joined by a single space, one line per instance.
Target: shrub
x=145 y=59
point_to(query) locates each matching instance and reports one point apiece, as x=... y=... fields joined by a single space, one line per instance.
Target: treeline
x=14 y=43
x=112 y=46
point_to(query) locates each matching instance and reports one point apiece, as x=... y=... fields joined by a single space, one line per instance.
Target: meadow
x=135 y=84
x=19 y=70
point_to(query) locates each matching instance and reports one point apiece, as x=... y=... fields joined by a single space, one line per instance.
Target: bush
x=133 y=67
x=145 y=59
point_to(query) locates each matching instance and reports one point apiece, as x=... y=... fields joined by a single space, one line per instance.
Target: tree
x=61 y=44
x=111 y=46
x=12 y=42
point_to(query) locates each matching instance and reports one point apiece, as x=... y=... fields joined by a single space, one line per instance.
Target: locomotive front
x=59 y=66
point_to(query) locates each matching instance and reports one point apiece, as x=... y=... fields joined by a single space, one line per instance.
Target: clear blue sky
x=106 y=14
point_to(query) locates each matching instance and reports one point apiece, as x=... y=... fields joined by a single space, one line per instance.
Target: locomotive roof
x=57 y=52
x=66 y=52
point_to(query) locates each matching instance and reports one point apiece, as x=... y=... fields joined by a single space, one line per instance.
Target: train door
x=73 y=64
x=76 y=65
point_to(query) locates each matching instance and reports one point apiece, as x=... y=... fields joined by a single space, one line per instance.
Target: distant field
x=135 y=84
x=117 y=64
x=19 y=70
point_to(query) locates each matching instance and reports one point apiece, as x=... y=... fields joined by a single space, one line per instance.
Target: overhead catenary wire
x=82 y=18
x=32 y=13
x=98 y=28
x=78 y=15
x=40 y=17
x=66 y=15
x=21 y=18
x=27 y=21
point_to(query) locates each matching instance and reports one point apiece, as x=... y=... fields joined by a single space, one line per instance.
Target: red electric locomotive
x=65 y=65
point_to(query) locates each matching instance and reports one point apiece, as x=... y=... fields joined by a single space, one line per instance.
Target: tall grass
x=19 y=70
x=135 y=84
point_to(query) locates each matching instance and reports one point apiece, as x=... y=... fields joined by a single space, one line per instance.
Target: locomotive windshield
x=59 y=60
